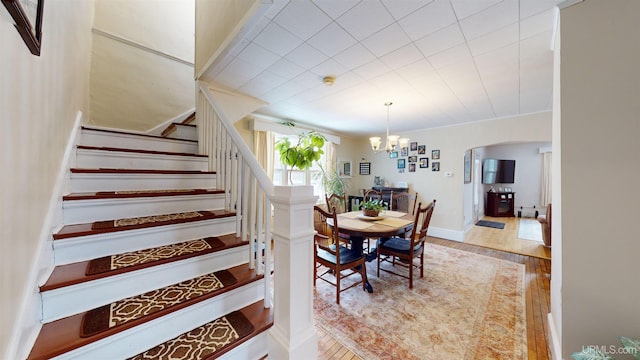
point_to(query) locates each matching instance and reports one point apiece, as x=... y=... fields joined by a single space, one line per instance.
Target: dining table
x=360 y=227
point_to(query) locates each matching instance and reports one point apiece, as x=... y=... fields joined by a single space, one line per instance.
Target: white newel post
x=293 y=335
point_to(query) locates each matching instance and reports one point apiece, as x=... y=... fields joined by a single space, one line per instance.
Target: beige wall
x=39 y=101
x=448 y=219
x=136 y=88
x=216 y=23
x=599 y=149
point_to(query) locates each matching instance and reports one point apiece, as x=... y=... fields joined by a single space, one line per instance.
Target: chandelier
x=391 y=141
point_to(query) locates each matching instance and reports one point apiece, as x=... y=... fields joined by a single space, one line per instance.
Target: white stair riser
x=131 y=141
x=59 y=303
x=85 y=211
x=135 y=340
x=184 y=132
x=94 y=159
x=89 y=182
x=71 y=250
x=254 y=348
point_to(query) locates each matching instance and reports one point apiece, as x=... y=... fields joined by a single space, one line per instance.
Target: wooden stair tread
x=136 y=134
x=136 y=171
x=173 y=126
x=76 y=273
x=76 y=230
x=63 y=335
x=189 y=118
x=139 y=194
x=140 y=151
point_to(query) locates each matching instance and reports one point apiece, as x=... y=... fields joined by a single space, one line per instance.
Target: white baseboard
x=28 y=324
x=553 y=340
x=455 y=235
x=158 y=129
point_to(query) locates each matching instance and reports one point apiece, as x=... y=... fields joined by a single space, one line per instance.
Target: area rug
x=203 y=341
x=491 y=224
x=136 y=307
x=467 y=306
x=529 y=229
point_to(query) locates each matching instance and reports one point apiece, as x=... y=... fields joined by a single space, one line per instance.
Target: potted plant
x=372 y=207
x=332 y=182
x=301 y=155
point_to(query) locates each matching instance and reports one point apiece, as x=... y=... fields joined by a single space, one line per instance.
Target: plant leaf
x=631 y=346
x=590 y=354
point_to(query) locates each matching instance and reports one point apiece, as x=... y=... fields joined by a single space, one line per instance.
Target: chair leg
x=378 y=251
x=337 y=286
x=422 y=265
x=411 y=274
x=363 y=272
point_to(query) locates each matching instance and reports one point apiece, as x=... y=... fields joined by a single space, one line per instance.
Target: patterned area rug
x=203 y=341
x=467 y=306
x=144 y=220
x=147 y=256
x=135 y=307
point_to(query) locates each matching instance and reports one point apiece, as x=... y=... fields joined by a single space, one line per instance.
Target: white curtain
x=263 y=147
x=545 y=190
x=330 y=156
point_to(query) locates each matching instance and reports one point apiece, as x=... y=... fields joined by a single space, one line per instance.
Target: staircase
x=150 y=263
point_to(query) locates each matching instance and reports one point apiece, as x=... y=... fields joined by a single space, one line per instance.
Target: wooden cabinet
x=500 y=204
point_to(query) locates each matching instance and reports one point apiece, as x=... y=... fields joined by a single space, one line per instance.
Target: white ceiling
x=440 y=62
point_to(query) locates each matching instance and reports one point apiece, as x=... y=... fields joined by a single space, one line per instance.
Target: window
x=311 y=176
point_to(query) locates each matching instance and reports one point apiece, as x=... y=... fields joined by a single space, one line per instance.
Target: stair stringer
x=69 y=300
x=130 y=342
x=75 y=249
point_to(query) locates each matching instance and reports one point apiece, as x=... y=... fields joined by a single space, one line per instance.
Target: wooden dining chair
x=337 y=260
x=406 y=250
x=403 y=201
x=339 y=202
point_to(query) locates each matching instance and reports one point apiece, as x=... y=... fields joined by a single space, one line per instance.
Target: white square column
x=293 y=335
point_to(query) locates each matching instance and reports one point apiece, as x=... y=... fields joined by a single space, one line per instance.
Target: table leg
x=357 y=245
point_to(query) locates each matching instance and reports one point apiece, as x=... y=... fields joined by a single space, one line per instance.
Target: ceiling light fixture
x=391 y=141
x=329 y=80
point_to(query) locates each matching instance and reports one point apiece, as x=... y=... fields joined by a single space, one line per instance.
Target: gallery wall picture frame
x=393 y=154
x=401 y=163
x=467 y=166
x=435 y=154
x=435 y=166
x=422 y=149
x=404 y=151
x=365 y=168
x=424 y=163
x=413 y=158
x=412 y=167
x=414 y=146
x=27 y=15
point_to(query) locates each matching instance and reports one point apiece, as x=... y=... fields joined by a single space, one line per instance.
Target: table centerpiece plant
x=372 y=207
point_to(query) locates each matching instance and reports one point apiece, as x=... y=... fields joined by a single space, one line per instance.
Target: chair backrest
x=400 y=201
x=337 y=201
x=421 y=223
x=415 y=202
x=369 y=194
x=327 y=235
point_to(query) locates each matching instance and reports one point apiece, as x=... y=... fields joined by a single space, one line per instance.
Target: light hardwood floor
x=506 y=239
x=537 y=277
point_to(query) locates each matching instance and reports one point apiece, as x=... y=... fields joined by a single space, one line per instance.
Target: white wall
x=448 y=219
x=528 y=175
x=39 y=102
x=599 y=133
x=137 y=88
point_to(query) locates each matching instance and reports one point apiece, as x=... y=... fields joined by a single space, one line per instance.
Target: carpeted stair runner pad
x=145 y=256
x=135 y=307
x=203 y=341
x=491 y=224
x=144 y=220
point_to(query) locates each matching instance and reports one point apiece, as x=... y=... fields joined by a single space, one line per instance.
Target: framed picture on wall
x=424 y=163
x=414 y=146
x=435 y=154
x=401 y=163
x=365 y=168
x=412 y=167
x=404 y=151
x=435 y=166
x=422 y=149
x=393 y=154
x=27 y=14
